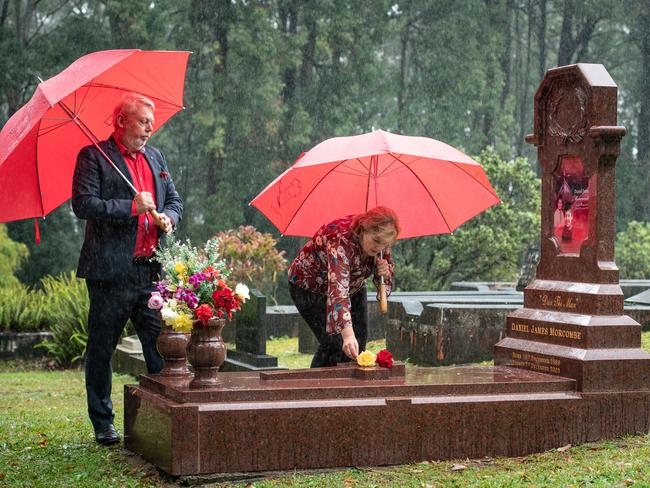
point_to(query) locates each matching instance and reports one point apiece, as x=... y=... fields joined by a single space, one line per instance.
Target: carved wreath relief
x=567 y=114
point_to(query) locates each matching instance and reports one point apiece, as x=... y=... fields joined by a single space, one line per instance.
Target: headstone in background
x=250 y=337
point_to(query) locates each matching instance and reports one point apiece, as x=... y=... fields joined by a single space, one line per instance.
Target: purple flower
x=196 y=279
x=162 y=290
x=188 y=296
x=155 y=301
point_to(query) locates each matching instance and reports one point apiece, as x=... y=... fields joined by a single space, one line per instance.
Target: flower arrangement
x=383 y=359
x=194 y=289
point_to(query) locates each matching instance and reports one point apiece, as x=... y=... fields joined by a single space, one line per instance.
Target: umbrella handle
x=383 y=303
x=157 y=219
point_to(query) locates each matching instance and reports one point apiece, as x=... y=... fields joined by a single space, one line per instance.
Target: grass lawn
x=46 y=441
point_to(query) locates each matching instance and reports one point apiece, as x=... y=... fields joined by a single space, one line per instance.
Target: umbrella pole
x=92 y=138
x=383 y=302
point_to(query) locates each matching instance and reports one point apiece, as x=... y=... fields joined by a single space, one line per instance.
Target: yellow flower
x=183 y=323
x=366 y=358
x=180 y=268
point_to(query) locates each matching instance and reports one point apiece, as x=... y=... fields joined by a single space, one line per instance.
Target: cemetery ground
x=46 y=441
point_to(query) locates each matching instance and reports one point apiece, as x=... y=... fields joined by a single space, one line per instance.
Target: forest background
x=269 y=79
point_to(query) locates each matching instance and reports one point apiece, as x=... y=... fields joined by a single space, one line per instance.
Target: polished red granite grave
x=348 y=416
x=570 y=370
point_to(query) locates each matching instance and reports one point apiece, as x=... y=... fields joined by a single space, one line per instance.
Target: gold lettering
x=536 y=363
x=557 y=301
x=539 y=330
x=516 y=327
x=568 y=334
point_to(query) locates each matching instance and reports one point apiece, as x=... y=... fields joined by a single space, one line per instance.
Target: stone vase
x=172 y=346
x=206 y=352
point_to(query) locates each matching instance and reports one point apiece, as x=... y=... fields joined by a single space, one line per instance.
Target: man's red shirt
x=147 y=237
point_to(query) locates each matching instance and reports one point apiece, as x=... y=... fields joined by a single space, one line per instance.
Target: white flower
x=242 y=292
x=169 y=315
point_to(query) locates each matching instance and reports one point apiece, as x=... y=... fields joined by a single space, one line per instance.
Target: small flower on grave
x=194 y=287
x=384 y=359
x=366 y=359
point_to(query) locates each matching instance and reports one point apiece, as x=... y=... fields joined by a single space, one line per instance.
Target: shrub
x=22 y=309
x=67 y=307
x=633 y=251
x=12 y=255
x=253 y=258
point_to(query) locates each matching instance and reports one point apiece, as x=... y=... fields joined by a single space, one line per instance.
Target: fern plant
x=67 y=306
x=22 y=309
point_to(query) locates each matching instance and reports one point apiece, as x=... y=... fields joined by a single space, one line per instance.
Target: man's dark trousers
x=111 y=304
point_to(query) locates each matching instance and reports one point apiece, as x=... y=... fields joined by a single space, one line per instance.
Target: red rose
x=204 y=313
x=384 y=359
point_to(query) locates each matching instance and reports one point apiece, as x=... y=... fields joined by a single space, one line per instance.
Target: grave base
x=339 y=417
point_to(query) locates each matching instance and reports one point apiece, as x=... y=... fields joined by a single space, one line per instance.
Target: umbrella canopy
x=40 y=142
x=431 y=186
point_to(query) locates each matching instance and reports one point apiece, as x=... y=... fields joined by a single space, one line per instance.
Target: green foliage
x=633 y=251
x=47 y=440
x=489 y=246
x=22 y=309
x=268 y=80
x=12 y=254
x=67 y=305
x=253 y=258
x=58 y=252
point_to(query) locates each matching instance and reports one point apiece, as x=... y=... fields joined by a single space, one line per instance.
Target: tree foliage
x=12 y=255
x=489 y=246
x=253 y=258
x=633 y=251
x=268 y=79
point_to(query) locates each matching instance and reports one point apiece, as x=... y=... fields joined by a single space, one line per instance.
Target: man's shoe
x=107 y=436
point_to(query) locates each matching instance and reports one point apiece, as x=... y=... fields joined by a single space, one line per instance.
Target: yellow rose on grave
x=366 y=358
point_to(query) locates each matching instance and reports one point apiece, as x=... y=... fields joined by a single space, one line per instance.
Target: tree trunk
x=402 y=85
x=643 y=142
x=566 y=48
x=221 y=26
x=524 y=107
x=541 y=38
x=308 y=53
x=289 y=21
x=506 y=56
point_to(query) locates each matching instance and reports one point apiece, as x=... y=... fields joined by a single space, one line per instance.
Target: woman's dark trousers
x=312 y=308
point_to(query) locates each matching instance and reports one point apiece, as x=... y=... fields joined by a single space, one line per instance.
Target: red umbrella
x=431 y=186
x=40 y=142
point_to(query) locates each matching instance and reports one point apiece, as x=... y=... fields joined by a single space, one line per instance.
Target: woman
x=327 y=280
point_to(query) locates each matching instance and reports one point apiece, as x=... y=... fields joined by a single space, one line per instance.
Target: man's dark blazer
x=103 y=199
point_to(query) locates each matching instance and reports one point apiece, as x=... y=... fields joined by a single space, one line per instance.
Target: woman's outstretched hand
x=350 y=344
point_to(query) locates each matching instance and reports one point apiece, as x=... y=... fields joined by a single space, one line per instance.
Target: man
x=121 y=237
